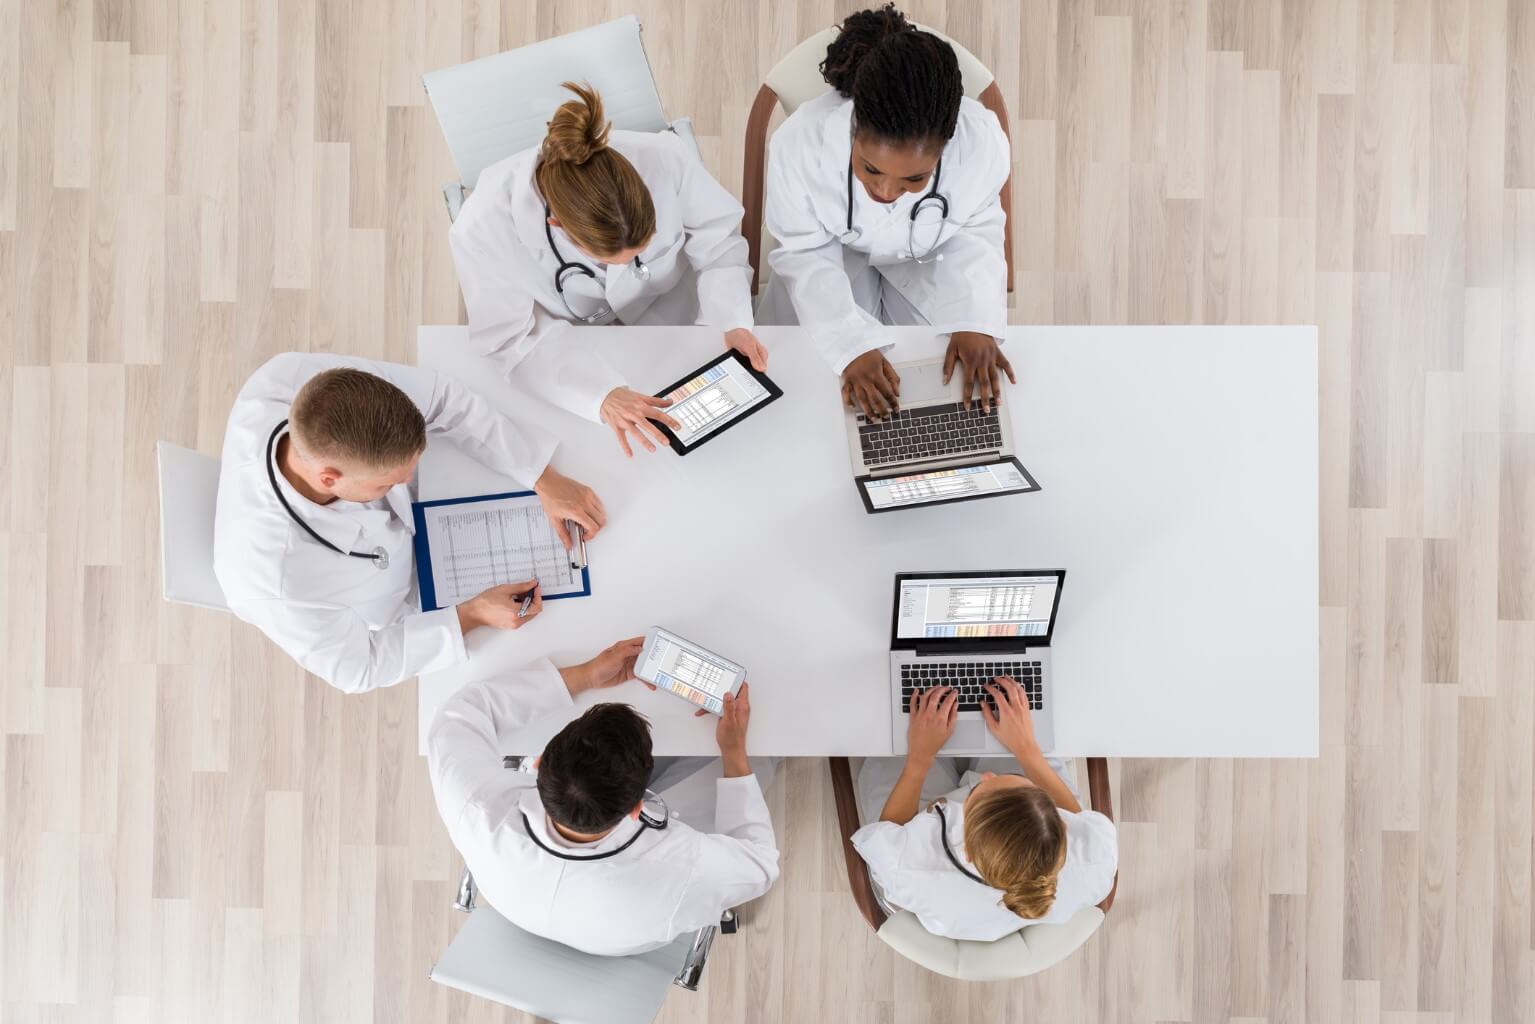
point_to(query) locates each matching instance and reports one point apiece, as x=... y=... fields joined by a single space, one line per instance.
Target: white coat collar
x=336 y=522
x=532 y=807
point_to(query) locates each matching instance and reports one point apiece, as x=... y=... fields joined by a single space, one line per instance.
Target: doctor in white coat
x=312 y=535
x=993 y=850
x=596 y=227
x=883 y=197
x=576 y=849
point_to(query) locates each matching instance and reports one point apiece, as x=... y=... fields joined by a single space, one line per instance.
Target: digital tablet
x=684 y=669
x=714 y=397
x=989 y=479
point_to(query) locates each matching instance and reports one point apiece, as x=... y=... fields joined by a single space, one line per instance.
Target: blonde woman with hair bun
x=597 y=226
x=1001 y=843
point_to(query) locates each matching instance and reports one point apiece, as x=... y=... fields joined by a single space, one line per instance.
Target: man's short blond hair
x=353 y=416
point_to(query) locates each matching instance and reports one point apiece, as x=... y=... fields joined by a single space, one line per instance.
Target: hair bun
x=577 y=131
x=858 y=36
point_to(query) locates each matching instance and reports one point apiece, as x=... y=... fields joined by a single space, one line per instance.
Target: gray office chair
x=189 y=488
x=494 y=959
x=496 y=106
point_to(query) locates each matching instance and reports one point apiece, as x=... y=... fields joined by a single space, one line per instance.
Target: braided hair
x=904 y=83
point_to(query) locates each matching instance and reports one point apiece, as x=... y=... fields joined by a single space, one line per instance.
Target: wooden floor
x=195 y=832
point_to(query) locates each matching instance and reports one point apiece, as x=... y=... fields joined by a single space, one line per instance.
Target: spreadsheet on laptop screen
x=975 y=607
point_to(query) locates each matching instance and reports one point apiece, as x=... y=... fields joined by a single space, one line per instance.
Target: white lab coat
x=698 y=268
x=844 y=293
x=669 y=883
x=348 y=622
x=908 y=863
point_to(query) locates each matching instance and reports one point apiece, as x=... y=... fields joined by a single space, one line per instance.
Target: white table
x=1178 y=468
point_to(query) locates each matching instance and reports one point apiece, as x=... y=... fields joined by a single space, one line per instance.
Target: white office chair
x=494 y=959
x=796 y=79
x=496 y=106
x=1027 y=951
x=189 y=488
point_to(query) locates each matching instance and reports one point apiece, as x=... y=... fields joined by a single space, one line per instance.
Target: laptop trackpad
x=967 y=736
x=922 y=383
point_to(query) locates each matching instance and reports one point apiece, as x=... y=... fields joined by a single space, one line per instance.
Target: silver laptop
x=932 y=450
x=963 y=629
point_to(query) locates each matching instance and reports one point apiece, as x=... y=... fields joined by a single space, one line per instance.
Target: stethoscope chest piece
x=850 y=236
x=380 y=558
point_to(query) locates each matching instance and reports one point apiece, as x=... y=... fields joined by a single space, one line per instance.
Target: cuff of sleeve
x=439 y=633
x=840 y=361
x=551 y=685
x=999 y=336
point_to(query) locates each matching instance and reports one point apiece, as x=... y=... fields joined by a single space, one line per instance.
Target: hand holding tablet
x=714 y=397
x=684 y=669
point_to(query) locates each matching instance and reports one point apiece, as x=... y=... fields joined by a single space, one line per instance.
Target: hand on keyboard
x=933 y=712
x=1007 y=715
x=984 y=365
x=871 y=384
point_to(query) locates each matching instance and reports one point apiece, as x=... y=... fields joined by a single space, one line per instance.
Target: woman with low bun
x=882 y=195
x=597 y=226
x=1003 y=842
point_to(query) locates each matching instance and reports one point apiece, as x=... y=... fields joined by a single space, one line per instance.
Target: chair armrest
x=991 y=99
x=858 y=879
x=1102 y=801
x=753 y=167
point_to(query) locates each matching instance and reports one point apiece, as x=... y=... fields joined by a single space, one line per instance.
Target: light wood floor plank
x=196 y=831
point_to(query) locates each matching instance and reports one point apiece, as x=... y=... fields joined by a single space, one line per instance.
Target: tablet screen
x=718 y=394
x=688 y=671
x=941 y=485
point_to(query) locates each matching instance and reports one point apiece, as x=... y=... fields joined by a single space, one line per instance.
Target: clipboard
x=506 y=540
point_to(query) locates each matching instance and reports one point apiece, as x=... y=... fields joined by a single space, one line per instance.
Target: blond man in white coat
x=882 y=195
x=599 y=226
x=312 y=535
x=574 y=848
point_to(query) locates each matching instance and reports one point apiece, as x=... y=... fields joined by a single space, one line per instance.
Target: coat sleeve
x=525 y=341
x=808 y=259
x=457 y=414
x=973 y=296
x=464 y=743
x=736 y=863
x=335 y=643
x=711 y=218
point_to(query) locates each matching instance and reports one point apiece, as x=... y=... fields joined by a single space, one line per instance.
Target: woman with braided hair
x=883 y=197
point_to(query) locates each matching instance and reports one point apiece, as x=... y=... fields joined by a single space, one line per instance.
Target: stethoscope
x=568 y=267
x=647 y=820
x=943 y=833
x=933 y=200
x=379 y=556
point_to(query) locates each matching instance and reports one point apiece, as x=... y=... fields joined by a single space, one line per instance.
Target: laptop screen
x=977 y=610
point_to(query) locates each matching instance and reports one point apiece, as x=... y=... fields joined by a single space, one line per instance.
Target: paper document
x=472 y=544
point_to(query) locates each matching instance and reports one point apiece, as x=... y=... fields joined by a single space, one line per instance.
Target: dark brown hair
x=596 y=768
x=597 y=196
x=1016 y=838
x=355 y=416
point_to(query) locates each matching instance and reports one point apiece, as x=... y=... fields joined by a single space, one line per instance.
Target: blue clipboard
x=423 y=549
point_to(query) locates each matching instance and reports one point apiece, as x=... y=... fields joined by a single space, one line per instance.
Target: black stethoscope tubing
x=646 y=824
x=271 y=473
x=943 y=834
x=932 y=195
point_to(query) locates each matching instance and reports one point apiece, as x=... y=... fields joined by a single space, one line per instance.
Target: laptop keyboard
x=970 y=679
x=931 y=432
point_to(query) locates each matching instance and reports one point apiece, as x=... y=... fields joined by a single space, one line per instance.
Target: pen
x=527 y=602
x=580 y=538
